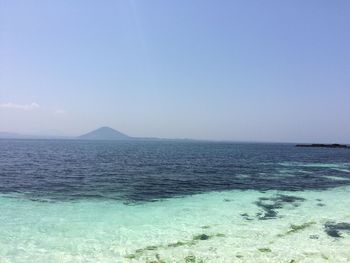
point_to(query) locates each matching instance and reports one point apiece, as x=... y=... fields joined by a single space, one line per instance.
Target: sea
x=172 y=201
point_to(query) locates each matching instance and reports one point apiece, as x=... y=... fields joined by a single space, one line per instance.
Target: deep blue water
x=135 y=171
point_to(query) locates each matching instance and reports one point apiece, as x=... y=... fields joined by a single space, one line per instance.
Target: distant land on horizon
x=13 y=135
x=102 y=133
x=108 y=133
x=9 y=135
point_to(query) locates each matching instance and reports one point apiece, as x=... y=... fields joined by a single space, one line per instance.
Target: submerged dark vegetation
x=145 y=171
x=195 y=239
x=334 y=229
x=270 y=206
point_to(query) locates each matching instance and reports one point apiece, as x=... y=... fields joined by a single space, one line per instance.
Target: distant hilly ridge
x=9 y=135
x=104 y=133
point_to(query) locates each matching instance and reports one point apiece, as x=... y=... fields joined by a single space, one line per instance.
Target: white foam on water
x=317 y=165
x=109 y=231
x=339 y=178
x=342 y=170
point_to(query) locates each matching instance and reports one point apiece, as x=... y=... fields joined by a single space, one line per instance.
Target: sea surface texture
x=172 y=201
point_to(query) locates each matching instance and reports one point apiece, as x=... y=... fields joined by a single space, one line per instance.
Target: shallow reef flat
x=230 y=226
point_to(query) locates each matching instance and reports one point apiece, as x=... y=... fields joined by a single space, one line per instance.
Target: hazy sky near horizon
x=237 y=70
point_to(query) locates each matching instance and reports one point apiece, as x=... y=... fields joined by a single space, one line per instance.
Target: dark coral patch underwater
x=271 y=205
x=335 y=229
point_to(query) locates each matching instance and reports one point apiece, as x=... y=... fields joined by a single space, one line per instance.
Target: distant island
x=321 y=145
x=104 y=133
x=107 y=133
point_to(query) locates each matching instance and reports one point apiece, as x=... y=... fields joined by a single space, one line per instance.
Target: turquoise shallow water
x=82 y=201
x=213 y=227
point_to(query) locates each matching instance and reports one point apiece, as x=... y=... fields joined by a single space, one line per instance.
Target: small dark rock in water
x=246 y=217
x=333 y=233
x=201 y=237
x=269 y=214
x=318 y=199
x=334 y=229
x=264 y=249
x=321 y=204
x=321 y=145
x=159 y=260
x=190 y=259
x=151 y=248
x=228 y=200
x=313 y=236
x=289 y=198
x=130 y=256
x=177 y=244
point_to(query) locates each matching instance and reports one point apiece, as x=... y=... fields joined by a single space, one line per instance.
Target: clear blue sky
x=237 y=70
